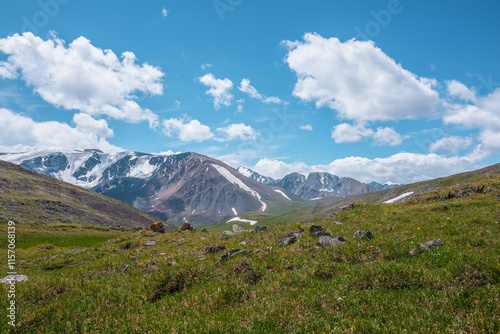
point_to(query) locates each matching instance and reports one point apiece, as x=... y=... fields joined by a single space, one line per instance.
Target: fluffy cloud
x=450 y=145
x=401 y=167
x=245 y=87
x=387 y=137
x=164 y=12
x=187 y=129
x=358 y=80
x=347 y=133
x=237 y=131
x=307 y=127
x=476 y=113
x=20 y=133
x=220 y=90
x=458 y=89
x=82 y=77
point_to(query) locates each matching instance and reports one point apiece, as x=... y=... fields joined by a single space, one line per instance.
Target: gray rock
x=150 y=243
x=314 y=229
x=125 y=269
x=73 y=251
x=232 y=253
x=363 y=234
x=414 y=251
x=260 y=229
x=237 y=229
x=322 y=233
x=204 y=230
x=326 y=241
x=11 y=278
x=214 y=249
x=431 y=244
x=288 y=241
x=227 y=233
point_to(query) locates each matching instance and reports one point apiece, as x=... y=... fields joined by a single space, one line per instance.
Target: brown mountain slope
x=29 y=197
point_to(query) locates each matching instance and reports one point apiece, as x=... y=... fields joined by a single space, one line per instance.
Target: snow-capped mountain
x=312 y=185
x=256 y=176
x=188 y=185
x=385 y=185
x=316 y=185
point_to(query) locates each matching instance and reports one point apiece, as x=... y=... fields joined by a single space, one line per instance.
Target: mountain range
x=310 y=186
x=186 y=186
x=178 y=187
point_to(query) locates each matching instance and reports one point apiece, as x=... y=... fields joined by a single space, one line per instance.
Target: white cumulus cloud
x=237 y=131
x=358 y=80
x=475 y=112
x=20 y=133
x=81 y=76
x=220 y=90
x=186 y=129
x=247 y=88
x=450 y=145
x=307 y=127
x=347 y=133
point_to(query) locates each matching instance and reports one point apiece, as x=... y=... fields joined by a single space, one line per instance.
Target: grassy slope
x=361 y=286
x=33 y=198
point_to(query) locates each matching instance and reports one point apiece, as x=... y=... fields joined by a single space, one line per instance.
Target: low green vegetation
x=118 y=281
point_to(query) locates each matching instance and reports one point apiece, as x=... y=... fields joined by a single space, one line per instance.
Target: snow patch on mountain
x=142 y=169
x=282 y=193
x=400 y=197
x=238 y=219
x=233 y=179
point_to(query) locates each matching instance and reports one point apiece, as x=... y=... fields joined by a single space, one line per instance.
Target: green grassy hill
x=130 y=284
x=28 y=197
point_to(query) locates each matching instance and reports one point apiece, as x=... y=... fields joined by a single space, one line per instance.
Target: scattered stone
x=260 y=229
x=73 y=251
x=288 y=241
x=11 y=278
x=192 y=228
x=337 y=223
x=414 y=251
x=185 y=227
x=326 y=241
x=214 y=249
x=431 y=244
x=227 y=233
x=322 y=233
x=204 y=230
x=203 y=238
x=363 y=234
x=125 y=269
x=243 y=242
x=158 y=227
x=232 y=253
x=314 y=229
x=150 y=243
x=237 y=229
x=163 y=253
x=52 y=257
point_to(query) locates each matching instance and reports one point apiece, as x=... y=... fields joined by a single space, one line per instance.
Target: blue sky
x=377 y=90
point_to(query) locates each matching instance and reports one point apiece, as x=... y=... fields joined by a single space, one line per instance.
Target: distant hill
x=29 y=197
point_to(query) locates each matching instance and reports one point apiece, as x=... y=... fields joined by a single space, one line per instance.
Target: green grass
x=360 y=287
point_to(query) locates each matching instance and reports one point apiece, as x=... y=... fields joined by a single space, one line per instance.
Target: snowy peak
x=256 y=176
x=385 y=185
